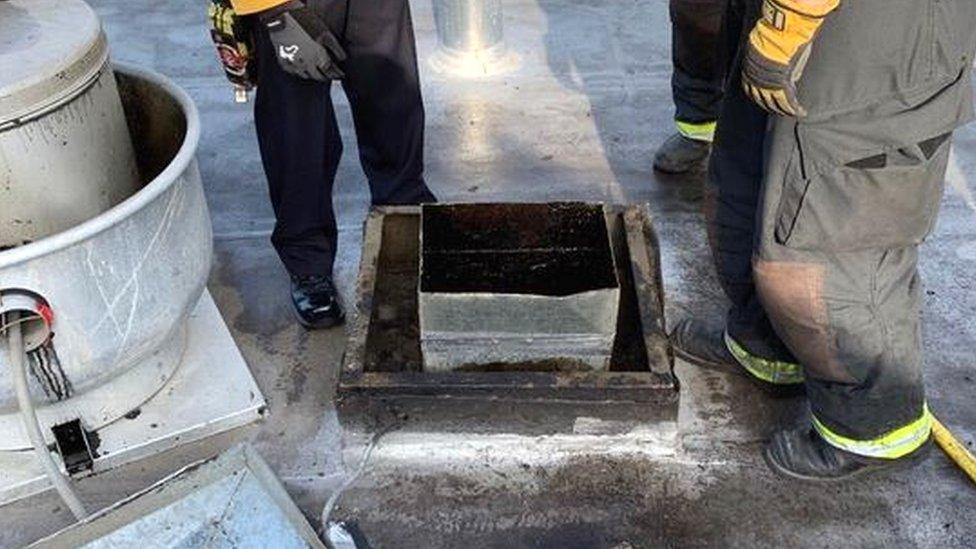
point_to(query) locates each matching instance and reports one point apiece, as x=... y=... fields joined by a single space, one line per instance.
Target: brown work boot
x=711 y=347
x=679 y=154
x=803 y=454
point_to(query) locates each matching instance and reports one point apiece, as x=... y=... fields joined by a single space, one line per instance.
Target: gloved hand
x=778 y=50
x=304 y=45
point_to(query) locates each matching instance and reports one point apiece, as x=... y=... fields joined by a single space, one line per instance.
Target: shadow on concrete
x=625 y=76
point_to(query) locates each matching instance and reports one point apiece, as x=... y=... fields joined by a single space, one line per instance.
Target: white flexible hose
x=334 y=498
x=18 y=367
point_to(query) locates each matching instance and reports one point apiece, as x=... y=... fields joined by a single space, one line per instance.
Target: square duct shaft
x=533 y=285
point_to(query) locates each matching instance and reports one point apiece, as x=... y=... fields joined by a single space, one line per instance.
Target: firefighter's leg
x=696 y=82
x=732 y=191
x=852 y=319
x=698 y=73
x=383 y=87
x=300 y=148
x=744 y=341
x=836 y=272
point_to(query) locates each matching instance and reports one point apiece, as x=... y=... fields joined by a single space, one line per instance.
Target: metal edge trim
x=354 y=361
x=636 y=220
x=82 y=83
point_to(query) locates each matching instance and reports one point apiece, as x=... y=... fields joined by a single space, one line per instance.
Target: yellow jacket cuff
x=246 y=7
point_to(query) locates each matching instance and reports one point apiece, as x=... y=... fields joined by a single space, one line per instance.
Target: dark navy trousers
x=299 y=137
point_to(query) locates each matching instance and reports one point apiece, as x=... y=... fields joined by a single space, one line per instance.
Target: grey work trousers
x=836 y=204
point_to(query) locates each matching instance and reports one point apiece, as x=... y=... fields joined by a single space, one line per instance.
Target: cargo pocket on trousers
x=888 y=200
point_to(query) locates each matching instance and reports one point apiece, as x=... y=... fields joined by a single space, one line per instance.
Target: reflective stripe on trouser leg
x=770 y=371
x=893 y=445
x=698 y=132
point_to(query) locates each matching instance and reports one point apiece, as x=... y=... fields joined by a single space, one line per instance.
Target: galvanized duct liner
x=527 y=284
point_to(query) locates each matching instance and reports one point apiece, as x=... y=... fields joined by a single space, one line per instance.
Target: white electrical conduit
x=18 y=367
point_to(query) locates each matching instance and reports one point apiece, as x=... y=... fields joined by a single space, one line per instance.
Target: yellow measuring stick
x=954 y=449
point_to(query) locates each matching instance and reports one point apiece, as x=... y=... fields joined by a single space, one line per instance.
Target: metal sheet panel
x=233 y=500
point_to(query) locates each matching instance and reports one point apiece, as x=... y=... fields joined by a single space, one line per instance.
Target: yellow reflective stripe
x=699 y=132
x=898 y=443
x=770 y=371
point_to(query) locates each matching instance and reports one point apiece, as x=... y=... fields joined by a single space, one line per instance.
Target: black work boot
x=803 y=454
x=711 y=347
x=679 y=154
x=316 y=301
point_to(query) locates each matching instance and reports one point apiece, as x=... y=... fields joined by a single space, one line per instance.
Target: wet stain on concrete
x=598 y=502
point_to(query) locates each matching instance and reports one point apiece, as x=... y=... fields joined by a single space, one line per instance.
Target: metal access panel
x=232 y=500
x=384 y=358
x=517 y=284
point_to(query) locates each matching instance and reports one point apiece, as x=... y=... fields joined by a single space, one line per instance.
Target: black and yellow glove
x=778 y=50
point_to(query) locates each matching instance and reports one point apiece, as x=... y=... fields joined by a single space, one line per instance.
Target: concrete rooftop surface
x=578 y=117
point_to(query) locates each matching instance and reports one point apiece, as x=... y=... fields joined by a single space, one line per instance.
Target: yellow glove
x=778 y=50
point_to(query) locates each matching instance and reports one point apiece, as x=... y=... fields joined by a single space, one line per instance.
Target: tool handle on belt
x=231 y=36
x=778 y=50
